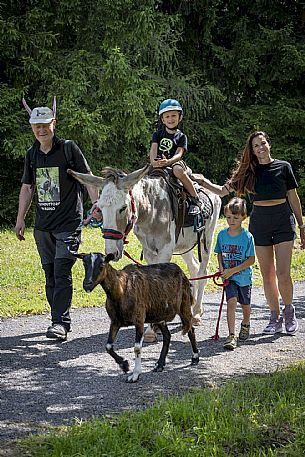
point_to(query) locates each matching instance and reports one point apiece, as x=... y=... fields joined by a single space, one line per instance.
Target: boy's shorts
x=272 y=225
x=242 y=293
x=184 y=167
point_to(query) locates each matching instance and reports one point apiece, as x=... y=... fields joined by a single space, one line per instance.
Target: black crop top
x=273 y=180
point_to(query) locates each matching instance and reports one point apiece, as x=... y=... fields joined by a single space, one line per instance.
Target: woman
x=271 y=186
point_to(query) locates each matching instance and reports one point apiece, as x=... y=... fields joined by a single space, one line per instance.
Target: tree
x=235 y=66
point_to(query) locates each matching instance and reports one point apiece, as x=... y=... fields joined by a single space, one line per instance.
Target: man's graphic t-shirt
x=235 y=250
x=59 y=197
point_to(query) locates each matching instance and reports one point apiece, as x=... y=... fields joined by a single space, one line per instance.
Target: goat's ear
x=109 y=257
x=80 y=255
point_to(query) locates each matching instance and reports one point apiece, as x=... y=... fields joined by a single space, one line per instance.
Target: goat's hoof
x=195 y=360
x=150 y=337
x=133 y=378
x=158 y=369
x=124 y=366
x=196 y=321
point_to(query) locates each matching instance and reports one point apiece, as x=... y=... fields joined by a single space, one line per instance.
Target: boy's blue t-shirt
x=235 y=250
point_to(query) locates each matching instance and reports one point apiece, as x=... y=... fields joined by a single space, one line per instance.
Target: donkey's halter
x=111 y=234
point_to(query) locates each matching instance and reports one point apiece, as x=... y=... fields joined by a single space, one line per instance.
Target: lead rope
x=223 y=285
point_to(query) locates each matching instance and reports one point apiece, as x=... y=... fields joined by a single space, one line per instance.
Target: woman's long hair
x=243 y=176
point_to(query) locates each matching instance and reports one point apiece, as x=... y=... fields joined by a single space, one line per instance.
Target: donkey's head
x=95 y=268
x=116 y=203
x=118 y=208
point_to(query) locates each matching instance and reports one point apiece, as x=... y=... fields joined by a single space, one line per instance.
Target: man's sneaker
x=244 y=332
x=57 y=332
x=275 y=325
x=231 y=342
x=291 y=323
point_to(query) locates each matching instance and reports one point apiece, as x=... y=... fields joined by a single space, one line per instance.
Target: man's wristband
x=302 y=226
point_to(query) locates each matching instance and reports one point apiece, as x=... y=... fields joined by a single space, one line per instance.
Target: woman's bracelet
x=302 y=226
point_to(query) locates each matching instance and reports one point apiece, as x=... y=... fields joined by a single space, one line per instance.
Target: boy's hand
x=226 y=274
x=160 y=162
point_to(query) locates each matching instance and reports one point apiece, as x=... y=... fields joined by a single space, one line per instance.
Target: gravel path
x=45 y=383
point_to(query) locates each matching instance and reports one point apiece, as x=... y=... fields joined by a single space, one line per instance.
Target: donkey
x=138 y=294
x=139 y=201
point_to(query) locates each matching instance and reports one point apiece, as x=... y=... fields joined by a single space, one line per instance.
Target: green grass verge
x=22 y=279
x=262 y=416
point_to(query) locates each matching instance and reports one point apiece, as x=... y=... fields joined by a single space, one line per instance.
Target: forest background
x=235 y=66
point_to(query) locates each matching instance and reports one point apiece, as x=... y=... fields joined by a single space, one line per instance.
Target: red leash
x=223 y=284
x=129 y=257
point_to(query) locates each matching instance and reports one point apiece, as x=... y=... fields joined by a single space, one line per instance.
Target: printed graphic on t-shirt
x=166 y=145
x=47 y=182
x=232 y=255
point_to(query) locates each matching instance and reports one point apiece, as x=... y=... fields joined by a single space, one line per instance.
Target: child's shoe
x=231 y=342
x=244 y=332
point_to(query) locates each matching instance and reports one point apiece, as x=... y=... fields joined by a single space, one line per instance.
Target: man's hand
x=19 y=230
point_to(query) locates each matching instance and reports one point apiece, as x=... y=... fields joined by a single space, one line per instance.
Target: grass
x=262 y=416
x=258 y=417
x=22 y=279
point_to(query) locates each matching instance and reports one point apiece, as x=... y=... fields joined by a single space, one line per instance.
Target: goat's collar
x=111 y=234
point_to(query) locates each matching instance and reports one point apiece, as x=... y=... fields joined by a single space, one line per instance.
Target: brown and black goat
x=136 y=295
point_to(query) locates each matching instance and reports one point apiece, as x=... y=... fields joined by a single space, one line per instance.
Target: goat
x=136 y=295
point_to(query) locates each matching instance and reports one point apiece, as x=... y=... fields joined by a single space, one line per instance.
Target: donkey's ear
x=109 y=257
x=87 y=179
x=128 y=181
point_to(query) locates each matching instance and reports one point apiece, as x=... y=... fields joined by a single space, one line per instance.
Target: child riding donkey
x=169 y=145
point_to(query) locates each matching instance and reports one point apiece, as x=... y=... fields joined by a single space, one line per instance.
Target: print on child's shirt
x=232 y=255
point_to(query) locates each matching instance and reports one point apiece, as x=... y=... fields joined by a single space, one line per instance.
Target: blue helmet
x=169 y=105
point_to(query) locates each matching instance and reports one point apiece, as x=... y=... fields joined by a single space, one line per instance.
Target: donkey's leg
x=163 y=256
x=113 y=331
x=137 y=350
x=165 y=346
x=196 y=270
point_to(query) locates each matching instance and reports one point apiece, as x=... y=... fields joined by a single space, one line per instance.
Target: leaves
x=234 y=66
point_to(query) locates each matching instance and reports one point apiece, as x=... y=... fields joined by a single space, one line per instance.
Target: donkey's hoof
x=150 y=337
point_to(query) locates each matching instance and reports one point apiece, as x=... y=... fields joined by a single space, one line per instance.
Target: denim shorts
x=242 y=293
x=272 y=225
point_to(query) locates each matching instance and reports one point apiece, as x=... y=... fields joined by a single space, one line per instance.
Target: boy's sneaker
x=275 y=325
x=244 y=332
x=57 y=332
x=231 y=342
x=291 y=323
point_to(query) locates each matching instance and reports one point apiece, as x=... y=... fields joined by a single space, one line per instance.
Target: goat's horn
x=26 y=106
x=54 y=107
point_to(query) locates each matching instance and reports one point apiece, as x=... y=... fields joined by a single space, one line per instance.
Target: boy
x=169 y=144
x=236 y=253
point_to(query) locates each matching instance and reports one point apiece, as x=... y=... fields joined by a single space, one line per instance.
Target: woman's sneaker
x=291 y=323
x=244 y=332
x=275 y=325
x=231 y=342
